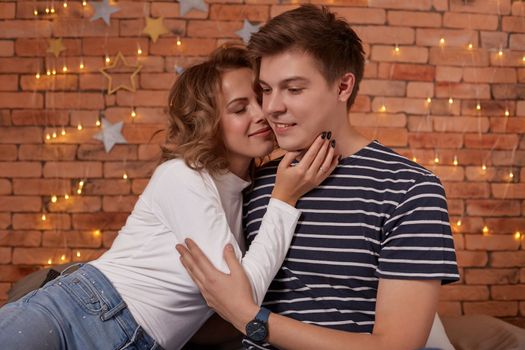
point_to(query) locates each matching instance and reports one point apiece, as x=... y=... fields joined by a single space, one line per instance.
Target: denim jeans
x=80 y=310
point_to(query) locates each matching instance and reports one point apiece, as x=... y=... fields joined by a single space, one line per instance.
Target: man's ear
x=346 y=86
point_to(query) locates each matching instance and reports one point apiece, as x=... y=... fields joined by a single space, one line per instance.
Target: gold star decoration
x=155 y=27
x=117 y=75
x=55 y=47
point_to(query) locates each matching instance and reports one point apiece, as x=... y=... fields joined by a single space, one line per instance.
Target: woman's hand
x=295 y=180
x=229 y=295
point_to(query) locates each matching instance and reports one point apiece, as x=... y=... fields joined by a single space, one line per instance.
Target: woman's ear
x=346 y=86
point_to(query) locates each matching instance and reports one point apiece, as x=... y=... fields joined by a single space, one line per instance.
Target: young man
x=373 y=243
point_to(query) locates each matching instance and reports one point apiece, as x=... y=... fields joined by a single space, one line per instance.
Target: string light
x=37 y=75
x=139 y=50
x=442 y=41
x=470 y=46
x=54 y=71
x=48 y=137
x=500 y=52
x=96 y=233
x=49 y=261
x=43 y=217
x=63 y=257
x=414 y=159
x=455 y=162
x=523 y=59
x=48 y=72
x=436 y=159
x=54 y=135
x=459 y=223
x=54 y=199
x=507 y=112
x=179 y=43
x=84 y=3
x=511 y=175
x=483 y=167
x=64 y=69
x=52 y=10
x=66 y=196
x=383 y=108
x=81 y=64
x=396 y=49
x=65 y=4
x=63 y=132
x=429 y=100
x=107 y=59
x=485 y=230
x=97 y=123
x=133 y=113
x=35 y=12
x=125 y=176
x=78 y=254
x=79 y=127
x=450 y=101
x=47 y=9
x=478 y=107
x=518 y=236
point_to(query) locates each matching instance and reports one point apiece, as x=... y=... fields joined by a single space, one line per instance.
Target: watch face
x=256 y=330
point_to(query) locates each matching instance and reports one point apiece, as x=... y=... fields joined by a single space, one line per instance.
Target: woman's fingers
x=231 y=259
x=310 y=155
x=199 y=258
x=328 y=164
x=190 y=264
x=317 y=164
x=288 y=158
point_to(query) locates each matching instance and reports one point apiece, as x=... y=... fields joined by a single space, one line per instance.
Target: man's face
x=297 y=99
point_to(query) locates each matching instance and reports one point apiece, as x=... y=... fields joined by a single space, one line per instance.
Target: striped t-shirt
x=378 y=215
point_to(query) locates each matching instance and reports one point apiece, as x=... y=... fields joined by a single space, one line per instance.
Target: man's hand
x=229 y=295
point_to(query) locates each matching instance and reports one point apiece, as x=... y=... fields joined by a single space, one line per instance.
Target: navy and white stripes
x=379 y=215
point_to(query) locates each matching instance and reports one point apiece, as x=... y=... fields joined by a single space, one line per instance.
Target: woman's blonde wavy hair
x=193 y=132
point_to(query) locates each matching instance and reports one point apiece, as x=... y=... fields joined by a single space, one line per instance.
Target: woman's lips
x=262 y=132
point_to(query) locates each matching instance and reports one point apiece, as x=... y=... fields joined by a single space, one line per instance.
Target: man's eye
x=295 y=91
x=265 y=91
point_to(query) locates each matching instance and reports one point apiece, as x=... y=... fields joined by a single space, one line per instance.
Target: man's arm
x=405 y=309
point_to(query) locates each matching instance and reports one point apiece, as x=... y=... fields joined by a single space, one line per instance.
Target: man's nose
x=273 y=104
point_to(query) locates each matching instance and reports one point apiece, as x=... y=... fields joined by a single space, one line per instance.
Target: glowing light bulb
x=483 y=167
x=107 y=59
x=49 y=261
x=429 y=100
x=450 y=101
x=35 y=12
x=455 y=162
x=458 y=223
x=78 y=254
x=507 y=112
x=64 y=69
x=485 y=230
x=133 y=113
x=66 y=196
x=54 y=135
x=37 y=75
x=179 y=43
x=54 y=71
x=79 y=126
x=383 y=108
x=52 y=10
x=470 y=46
x=523 y=59
x=125 y=176
x=414 y=159
x=84 y=3
x=478 y=107
x=63 y=132
x=81 y=183
x=48 y=137
x=63 y=257
x=47 y=9
x=43 y=217
x=500 y=52
x=82 y=64
x=79 y=191
x=517 y=235
x=54 y=199
x=442 y=41
x=96 y=233
x=511 y=175
x=436 y=159
x=397 y=49
x=98 y=122
x=139 y=51
x=65 y=4
x=48 y=72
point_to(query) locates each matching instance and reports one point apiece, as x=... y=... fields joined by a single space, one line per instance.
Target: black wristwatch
x=257 y=329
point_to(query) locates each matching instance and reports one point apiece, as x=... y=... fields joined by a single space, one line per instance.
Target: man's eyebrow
x=287 y=81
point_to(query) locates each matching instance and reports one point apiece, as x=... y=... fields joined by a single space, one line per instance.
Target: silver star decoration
x=247 y=30
x=110 y=134
x=187 y=5
x=103 y=10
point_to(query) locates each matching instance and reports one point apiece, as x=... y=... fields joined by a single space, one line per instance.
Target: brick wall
x=456 y=105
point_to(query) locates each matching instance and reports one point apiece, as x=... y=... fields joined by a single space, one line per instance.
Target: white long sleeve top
x=178 y=203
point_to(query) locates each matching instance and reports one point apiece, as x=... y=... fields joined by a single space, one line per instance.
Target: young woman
x=138 y=295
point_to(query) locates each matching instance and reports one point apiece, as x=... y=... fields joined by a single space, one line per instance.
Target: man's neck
x=348 y=140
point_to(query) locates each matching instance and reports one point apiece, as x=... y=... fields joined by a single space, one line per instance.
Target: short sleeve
x=417 y=242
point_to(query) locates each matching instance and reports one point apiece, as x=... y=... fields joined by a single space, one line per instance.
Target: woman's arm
x=404 y=310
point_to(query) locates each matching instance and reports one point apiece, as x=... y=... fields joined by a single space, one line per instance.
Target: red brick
x=8 y=152
x=505 y=225
x=106 y=187
x=76 y=204
x=520 y=108
x=513 y=24
x=490 y=7
x=157 y=81
x=419 y=124
x=460 y=124
x=449 y=308
x=449 y=173
x=408 y=5
x=508 y=91
x=492 y=308
x=19 y=29
x=508 y=259
x=13 y=273
x=490 y=75
x=45 y=83
x=131 y=9
x=72 y=239
x=467 y=258
x=68 y=27
x=47 y=152
x=359 y=15
x=111 y=46
x=457 y=56
x=213 y=29
x=508 y=191
x=7 y=48
x=5 y=186
x=19 y=65
x=491 y=141
x=492 y=40
x=433 y=140
x=401 y=71
x=8 y=82
x=452 y=74
x=517 y=41
x=397 y=105
x=149 y=152
x=7 y=10
x=34 y=222
x=468 y=224
x=391 y=137
x=467 y=190
x=189 y=47
x=74 y=100
x=20 y=169
x=20 y=238
x=513 y=125
x=461 y=293
x=453 y=38
x=470 y=21
x=419 y=89
x=508 y=59
x=72 y=169
x=491 y=174
x=99 y=221
x=21 y=100
x=20 y=135
x=20 y=204
x=118 y=203
x=491 y=276
x=168 y=9
x=145 y=98
x=232 y=12
x=463 y=90
x=41 y=186
x=491 y=242
x=385 y=35
x=133 y=169
x=97 y=152
x=5 y=220
x=374 y=119
x=38 y=256
x=382 y=88
x=414 y=19
x=514 y=292
x=5 y=255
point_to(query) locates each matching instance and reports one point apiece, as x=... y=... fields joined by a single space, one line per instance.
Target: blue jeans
x=81 y=310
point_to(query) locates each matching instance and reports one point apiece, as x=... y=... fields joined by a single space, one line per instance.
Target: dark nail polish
x=323 y=135
x=332 y=143
x=329 y=135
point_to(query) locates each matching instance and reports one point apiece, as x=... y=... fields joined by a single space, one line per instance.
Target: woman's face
x=245 y=131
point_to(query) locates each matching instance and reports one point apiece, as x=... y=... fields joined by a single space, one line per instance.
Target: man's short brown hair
x=317 y=31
